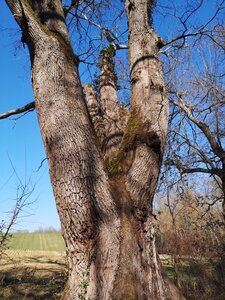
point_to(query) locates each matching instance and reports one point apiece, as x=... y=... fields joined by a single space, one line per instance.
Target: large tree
x=103 y=181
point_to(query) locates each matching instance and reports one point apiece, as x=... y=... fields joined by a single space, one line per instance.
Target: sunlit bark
x=104 y=201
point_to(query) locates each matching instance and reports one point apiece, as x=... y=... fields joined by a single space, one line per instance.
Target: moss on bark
x=133 y=129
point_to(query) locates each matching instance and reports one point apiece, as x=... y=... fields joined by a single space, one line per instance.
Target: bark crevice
x=106 y=215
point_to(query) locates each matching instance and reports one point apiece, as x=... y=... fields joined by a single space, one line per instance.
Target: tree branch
x=110 y=36
x=24 y=14
x=202 y=126
x=201 y=153
x=29 y=107
x=201 y=170
x=201 y=31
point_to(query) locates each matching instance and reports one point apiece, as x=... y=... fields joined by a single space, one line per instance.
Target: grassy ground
x=35 y=268
x=199 y=278
x=29 y=274
x=43 y=241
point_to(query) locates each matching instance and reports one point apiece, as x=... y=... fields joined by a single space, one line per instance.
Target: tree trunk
x=105 y=207
x=114 y=115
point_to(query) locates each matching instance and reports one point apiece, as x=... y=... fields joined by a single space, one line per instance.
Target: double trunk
x=104 y=199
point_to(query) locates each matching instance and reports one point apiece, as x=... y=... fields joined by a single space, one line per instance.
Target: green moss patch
x=133 y=129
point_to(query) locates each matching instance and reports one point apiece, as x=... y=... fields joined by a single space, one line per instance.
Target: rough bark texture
x=104 y=200
x=114 y=115
x=109 y=117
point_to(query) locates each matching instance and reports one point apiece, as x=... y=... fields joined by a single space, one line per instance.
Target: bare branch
x=24 y=14
x=217 y=149
x=195 y=147
x=24 y=192
x=110 y=36
x=214 y=171
x=27 y=108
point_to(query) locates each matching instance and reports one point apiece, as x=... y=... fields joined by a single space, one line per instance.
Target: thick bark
x=106 y=219
x=95 y=112
x=86 y=209
x=87 y=212
x=139 y=156
x=149 y=105
x=109 y=117
x=114 y=113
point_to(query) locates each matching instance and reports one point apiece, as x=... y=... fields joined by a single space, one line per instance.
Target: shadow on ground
x=31 y=278
x=199 y=278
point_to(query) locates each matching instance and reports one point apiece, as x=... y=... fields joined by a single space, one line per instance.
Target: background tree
x=20 y=209
x=195 y=241
x=196 y=138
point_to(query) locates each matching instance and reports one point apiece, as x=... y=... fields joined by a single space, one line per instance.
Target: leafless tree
x=196 y=137
x=20 y=207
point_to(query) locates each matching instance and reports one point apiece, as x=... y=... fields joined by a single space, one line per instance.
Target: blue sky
x=21 y=145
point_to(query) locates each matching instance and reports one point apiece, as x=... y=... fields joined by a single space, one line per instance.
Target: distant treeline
x=40 y=229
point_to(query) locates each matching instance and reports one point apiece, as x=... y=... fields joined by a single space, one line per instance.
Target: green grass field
x=38 y=241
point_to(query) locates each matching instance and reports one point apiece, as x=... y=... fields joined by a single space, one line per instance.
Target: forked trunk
x=105 y=207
